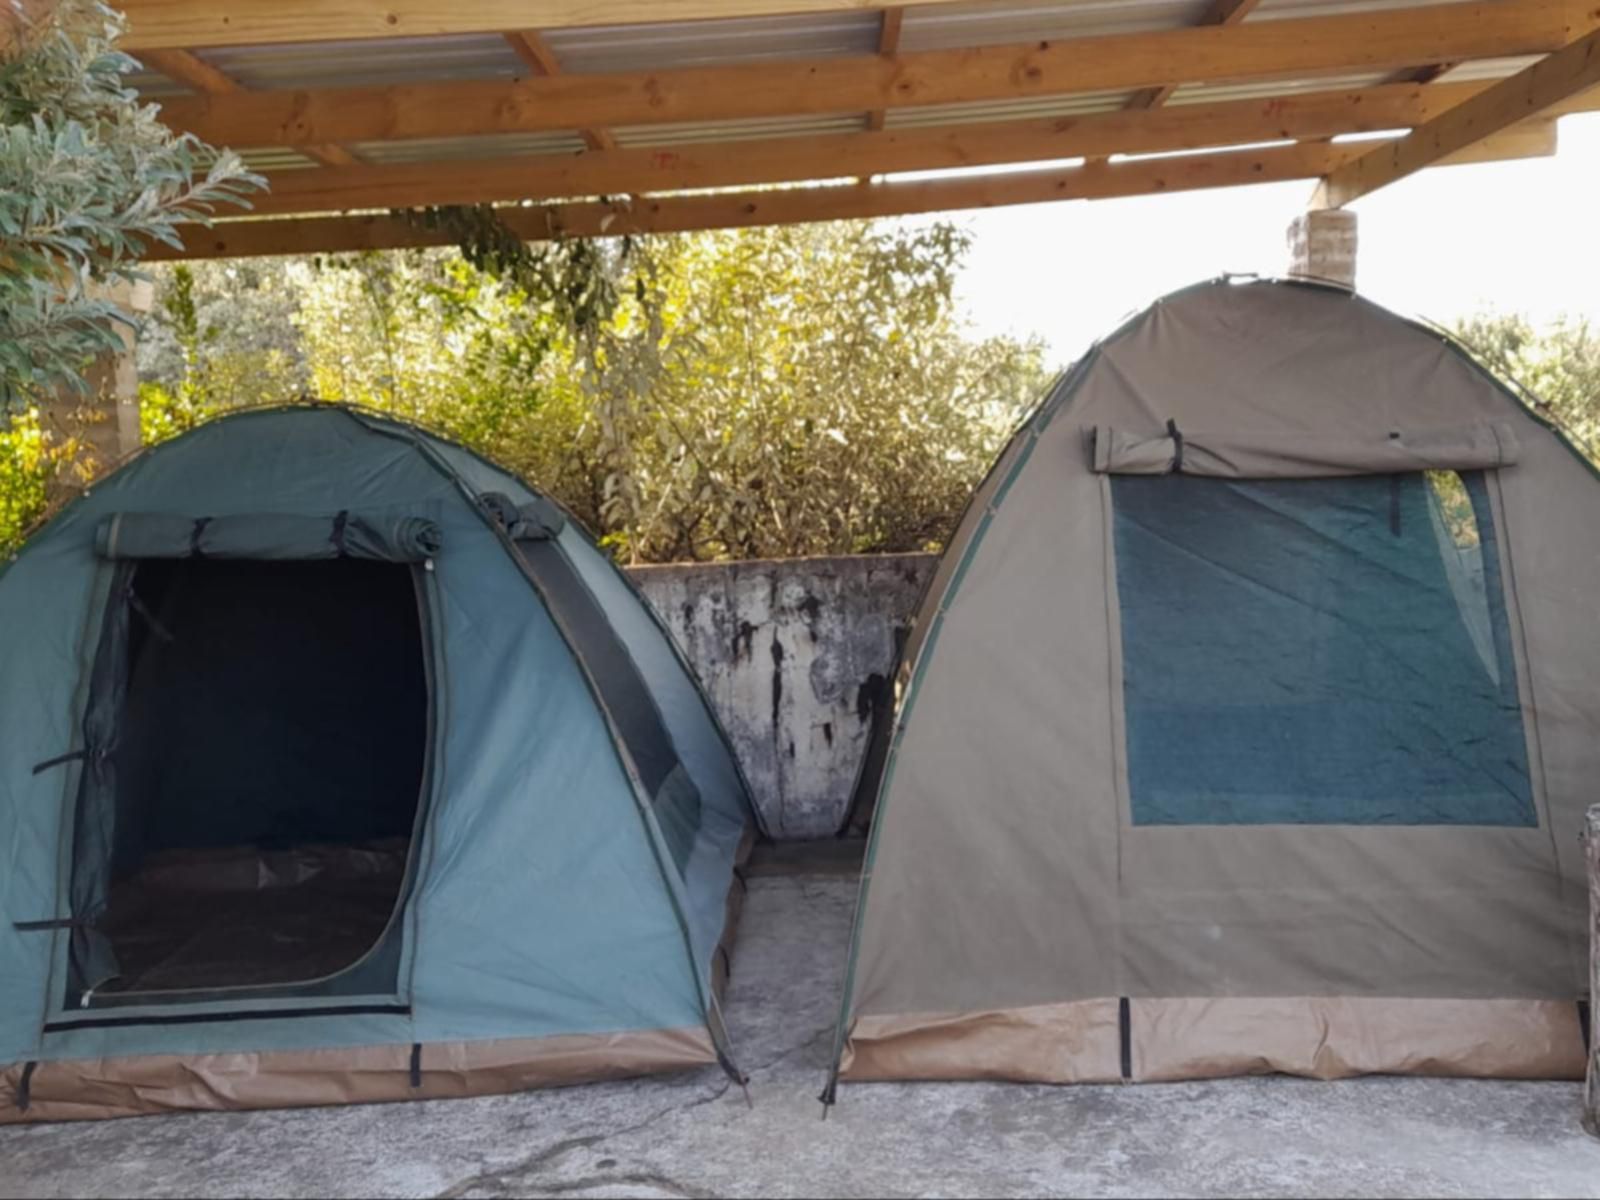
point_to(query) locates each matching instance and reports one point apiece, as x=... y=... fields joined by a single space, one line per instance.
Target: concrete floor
x=693 y=1135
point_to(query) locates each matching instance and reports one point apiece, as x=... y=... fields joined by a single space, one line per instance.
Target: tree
x=796 y=390
x=88 y=178
x=223 y=337
x=806 y=390
x=1558 y=364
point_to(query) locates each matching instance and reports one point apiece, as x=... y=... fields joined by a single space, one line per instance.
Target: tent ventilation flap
x=1242 y=454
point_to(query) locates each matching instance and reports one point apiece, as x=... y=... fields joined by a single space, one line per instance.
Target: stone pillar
x=1591 y=1090
x=1322 y=246
x=106 y=417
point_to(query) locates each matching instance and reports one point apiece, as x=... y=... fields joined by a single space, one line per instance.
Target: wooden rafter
x=1380 y=40
x=661 y=214
x=1221 y=12
x=189 y=69
x=535 y=51
x=1569 y=72
x=1185 y=127
x=162 y=23
x=888 y=46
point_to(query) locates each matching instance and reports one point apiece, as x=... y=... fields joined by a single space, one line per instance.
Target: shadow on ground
x=693 y=1135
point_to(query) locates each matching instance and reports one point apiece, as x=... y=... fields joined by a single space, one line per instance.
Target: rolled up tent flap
x=1244 y=454
x=290 y=536
x=537 y=520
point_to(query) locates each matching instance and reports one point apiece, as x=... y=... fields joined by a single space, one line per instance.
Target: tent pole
x=1591 y=1091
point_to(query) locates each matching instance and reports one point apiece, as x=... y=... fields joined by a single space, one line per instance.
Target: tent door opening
x=250 y=823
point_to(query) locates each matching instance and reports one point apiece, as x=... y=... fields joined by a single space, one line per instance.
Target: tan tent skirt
x=1171 y=1039
x=76 y=1089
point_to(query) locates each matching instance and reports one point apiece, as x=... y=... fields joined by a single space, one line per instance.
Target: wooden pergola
x=592 y=117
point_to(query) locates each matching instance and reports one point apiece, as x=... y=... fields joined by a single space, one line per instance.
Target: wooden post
x=1591 y=1090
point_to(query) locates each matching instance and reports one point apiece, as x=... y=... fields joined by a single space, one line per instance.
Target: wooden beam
x=153 y=23
x=1547 y=83
x=182 y=66
x=794 y=160
x=664 y=214
x=1533 y=138
x=535 y=51
x=1374 y=40
x=657 y=214
x=888 y=44
x=1221 y=12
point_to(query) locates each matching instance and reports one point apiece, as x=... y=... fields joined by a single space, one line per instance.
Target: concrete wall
x=792 y=653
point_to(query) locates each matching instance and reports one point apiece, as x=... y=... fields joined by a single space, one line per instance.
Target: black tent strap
x=25 y=1086
x=58 y=760
x=340 y=520
x=1125 y=1035
x=1585 y=1025
x=1177 y=446
x=416 y=1064
x=51 y=924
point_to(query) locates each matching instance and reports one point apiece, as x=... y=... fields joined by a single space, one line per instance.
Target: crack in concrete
x=497 y=1181
x=524 y=1173
x=631 y=1179
x=811 y=1040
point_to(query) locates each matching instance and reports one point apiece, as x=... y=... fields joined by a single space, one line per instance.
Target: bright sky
x=1514 y=236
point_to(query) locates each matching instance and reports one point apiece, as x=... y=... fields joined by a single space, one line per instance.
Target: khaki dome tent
x=336 y=765
x=1249 y=724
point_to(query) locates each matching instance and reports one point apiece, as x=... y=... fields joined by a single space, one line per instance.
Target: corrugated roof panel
x=1271 y=10
x=493 y=145
x=1489 y=68
x=1031 y=108
x=686 y=133
x=673 y=44
x=1214 y=93
x=275 y=158
x=943 y=27
x=152 y=85
x=368 y=63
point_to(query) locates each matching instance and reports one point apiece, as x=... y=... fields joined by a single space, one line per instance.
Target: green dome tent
x=1248 y=723
x=337 y=765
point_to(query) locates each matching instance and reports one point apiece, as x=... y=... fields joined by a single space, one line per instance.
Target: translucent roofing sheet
x=677 y=44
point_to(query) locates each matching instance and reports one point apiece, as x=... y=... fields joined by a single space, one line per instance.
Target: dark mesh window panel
x=1326 y=651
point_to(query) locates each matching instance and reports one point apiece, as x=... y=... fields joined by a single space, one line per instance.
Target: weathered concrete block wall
x=792 y=653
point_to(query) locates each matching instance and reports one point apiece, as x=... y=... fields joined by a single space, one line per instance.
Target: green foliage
x=32 y=461
x=1559 y=364
x=88 y=178
x=222 y=338
x=574 y=279
x=777 y=392
x=800 y=390
x=770 y=392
